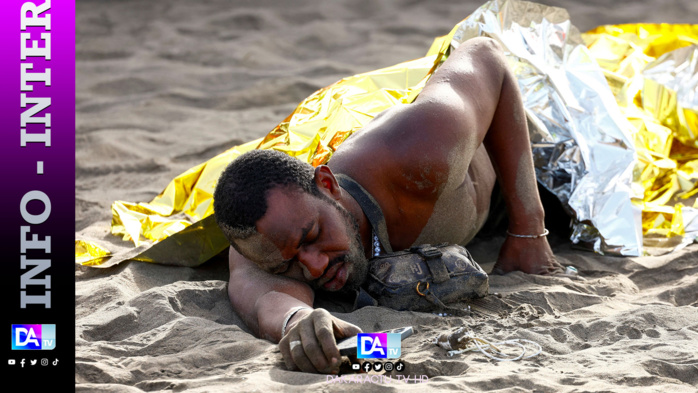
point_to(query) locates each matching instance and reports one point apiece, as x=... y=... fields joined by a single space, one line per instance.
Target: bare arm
x=484 y=98
x=264 y=301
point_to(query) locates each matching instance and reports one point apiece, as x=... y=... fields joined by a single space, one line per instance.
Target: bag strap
x=370 y=207
x=432 y=256
x=363 y=299
x=433 y=299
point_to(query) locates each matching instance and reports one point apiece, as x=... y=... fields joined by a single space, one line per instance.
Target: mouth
x=329 y=274
x=334 y=278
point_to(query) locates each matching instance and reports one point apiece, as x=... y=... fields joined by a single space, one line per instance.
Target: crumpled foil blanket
x=652 y=70
x=613 y=129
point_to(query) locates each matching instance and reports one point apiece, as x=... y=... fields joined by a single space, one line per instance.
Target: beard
x=355 y=259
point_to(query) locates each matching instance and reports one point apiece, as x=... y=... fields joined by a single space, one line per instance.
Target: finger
x=343 y=329
x=311 y=346
x=546 y=271
x=554 y=268
x=300 y=359
x=284 y=347
x=324 y=331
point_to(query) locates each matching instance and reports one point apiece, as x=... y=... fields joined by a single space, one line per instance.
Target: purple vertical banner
x=37 y=173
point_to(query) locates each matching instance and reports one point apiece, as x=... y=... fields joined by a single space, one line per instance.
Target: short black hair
x=240 y=198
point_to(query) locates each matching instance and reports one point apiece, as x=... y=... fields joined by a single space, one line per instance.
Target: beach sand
x=164 y=85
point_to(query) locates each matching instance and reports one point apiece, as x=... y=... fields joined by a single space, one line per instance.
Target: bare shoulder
x=459 y=98
x=404 y=148
x=413 y=147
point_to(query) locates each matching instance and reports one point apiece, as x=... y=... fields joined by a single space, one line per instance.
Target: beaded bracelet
x=529 y=236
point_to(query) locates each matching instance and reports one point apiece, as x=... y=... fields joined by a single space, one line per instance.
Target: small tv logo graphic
x=379 y=346
x=33 y=337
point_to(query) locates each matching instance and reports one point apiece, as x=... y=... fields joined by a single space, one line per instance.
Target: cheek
x=260 y=250
x=337 y=235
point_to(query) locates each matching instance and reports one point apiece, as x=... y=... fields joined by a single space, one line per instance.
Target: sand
x=165 y=85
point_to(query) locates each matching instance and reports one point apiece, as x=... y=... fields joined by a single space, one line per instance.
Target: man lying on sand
x=430 y=166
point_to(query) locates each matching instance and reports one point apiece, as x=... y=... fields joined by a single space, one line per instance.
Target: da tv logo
x=379 y=345
x=40 y=337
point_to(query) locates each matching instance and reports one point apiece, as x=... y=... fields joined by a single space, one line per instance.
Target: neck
x=365 y=229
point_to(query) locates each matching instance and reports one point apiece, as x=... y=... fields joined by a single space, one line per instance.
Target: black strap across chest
x=369 y=206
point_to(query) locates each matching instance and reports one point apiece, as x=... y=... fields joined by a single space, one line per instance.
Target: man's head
x=284 y=215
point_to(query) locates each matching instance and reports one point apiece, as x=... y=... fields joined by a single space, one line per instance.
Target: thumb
x=344 y=329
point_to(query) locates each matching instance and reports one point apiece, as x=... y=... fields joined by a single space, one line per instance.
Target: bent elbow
x=487 y=45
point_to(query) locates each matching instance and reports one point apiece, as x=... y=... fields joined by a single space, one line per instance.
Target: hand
x=310 y=345
x=532 y=256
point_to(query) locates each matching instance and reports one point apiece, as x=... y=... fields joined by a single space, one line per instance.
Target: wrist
x=291 y=318
x=527 y=224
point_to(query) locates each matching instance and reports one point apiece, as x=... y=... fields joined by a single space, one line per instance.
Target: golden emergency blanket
x=652 y=71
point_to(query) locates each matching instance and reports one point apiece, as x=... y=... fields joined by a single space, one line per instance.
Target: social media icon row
x=378 y=366
x=32 y=362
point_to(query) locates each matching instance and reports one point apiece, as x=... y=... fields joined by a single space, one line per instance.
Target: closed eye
x=310 y=235
x=313 y=237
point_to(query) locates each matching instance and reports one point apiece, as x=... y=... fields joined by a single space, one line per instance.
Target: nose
x=313 y=262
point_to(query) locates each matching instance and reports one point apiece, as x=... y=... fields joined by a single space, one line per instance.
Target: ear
x=326 y=182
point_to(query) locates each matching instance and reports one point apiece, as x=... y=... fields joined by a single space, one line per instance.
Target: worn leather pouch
x=425 y=278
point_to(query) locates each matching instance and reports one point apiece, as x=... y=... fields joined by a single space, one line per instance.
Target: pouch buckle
x=428 y=252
